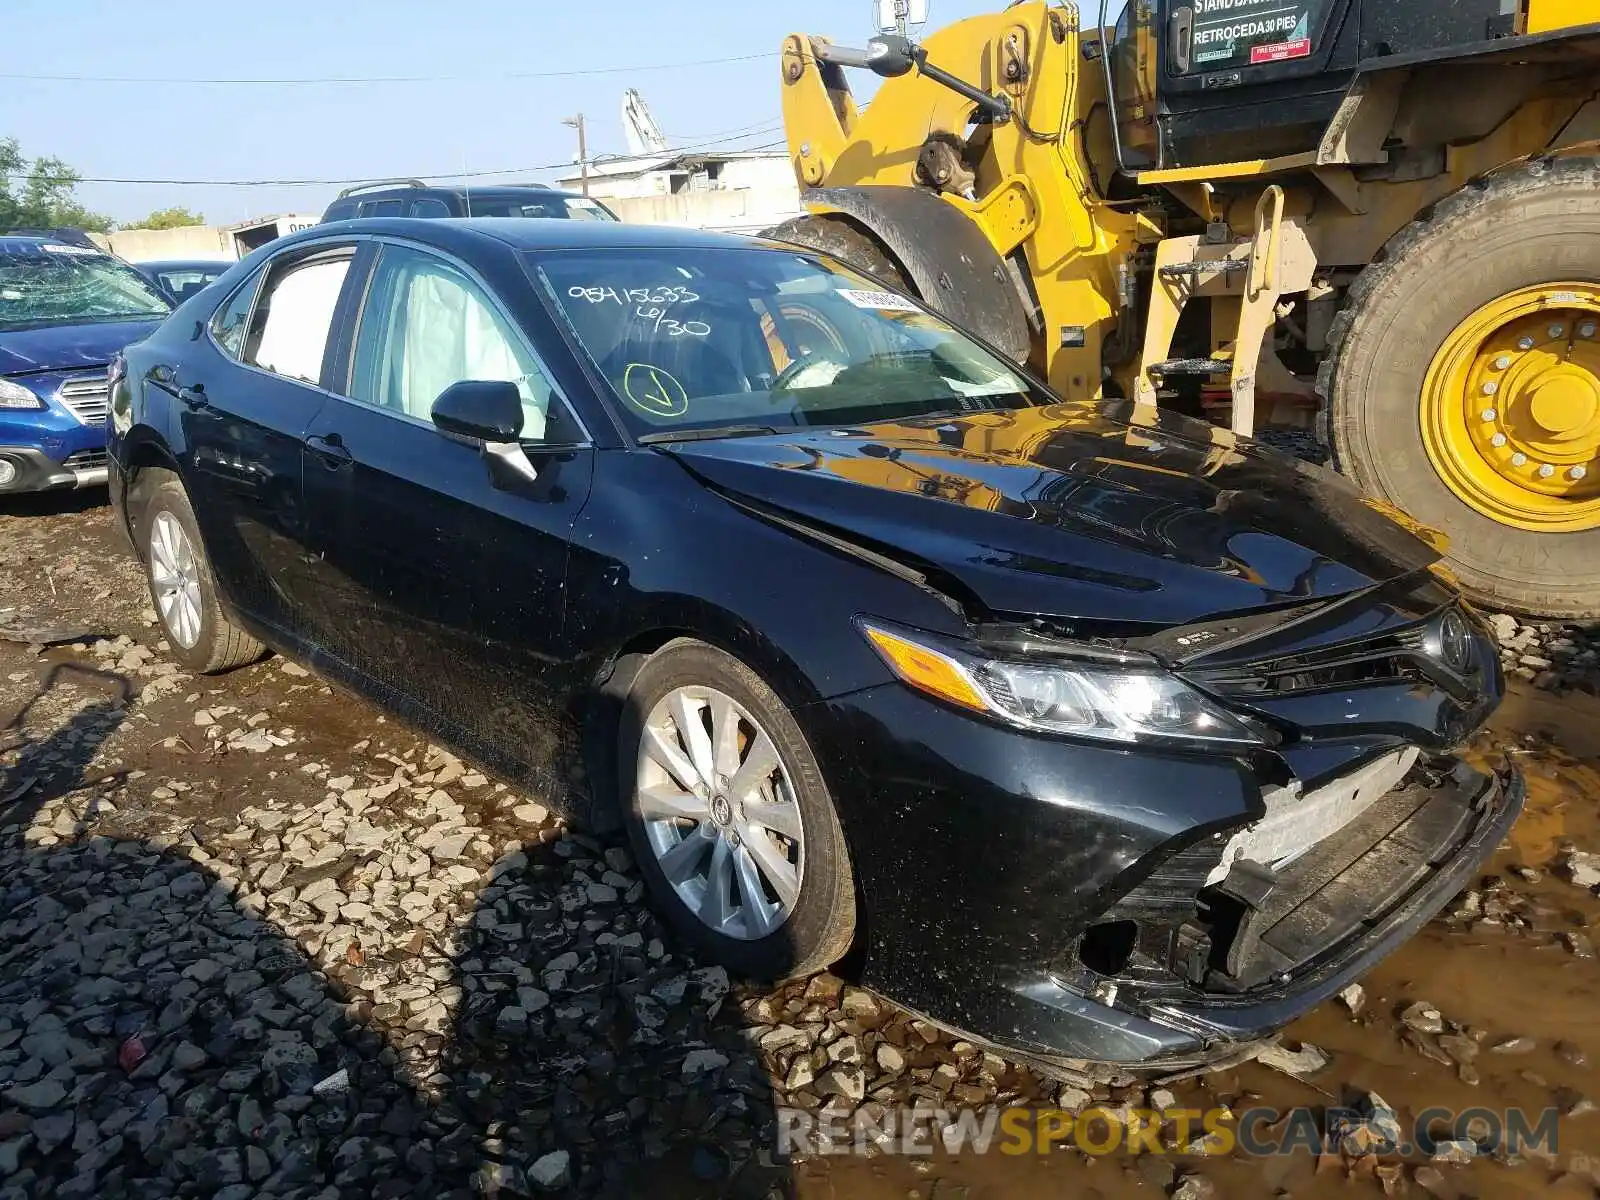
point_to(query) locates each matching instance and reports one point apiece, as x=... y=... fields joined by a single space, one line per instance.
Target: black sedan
x=1090 y=730
x=182 y=278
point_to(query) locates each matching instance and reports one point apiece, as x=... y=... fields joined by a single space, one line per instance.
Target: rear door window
x=291 y=323
x=228 y=325
x=382 y=208
x=430 y=206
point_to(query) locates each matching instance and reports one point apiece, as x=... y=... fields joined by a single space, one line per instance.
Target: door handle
x=1180 y=35
x=330 y=448
x=165 y=378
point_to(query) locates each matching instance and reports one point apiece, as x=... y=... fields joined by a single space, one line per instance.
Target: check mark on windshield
x=654 y=391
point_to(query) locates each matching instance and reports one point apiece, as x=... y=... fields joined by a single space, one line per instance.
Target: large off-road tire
x=840 y=239
x=1478 y=253
x=182 y=588
x=708 y=752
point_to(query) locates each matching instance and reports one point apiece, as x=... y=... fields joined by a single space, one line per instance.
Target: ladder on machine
x=1257 y=271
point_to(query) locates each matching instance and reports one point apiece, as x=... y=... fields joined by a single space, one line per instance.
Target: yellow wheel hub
x=1511 y=409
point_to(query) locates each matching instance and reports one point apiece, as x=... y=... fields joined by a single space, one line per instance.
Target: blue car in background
x=180 y=278
x=66 y=309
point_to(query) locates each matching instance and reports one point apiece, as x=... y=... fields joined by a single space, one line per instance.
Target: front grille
x=1387 y=657
x=88 y=398
x=85 y=460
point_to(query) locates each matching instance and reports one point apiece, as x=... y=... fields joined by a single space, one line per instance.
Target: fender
x=948 y=260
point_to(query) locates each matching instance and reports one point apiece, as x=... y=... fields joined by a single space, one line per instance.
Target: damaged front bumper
x=1368 y=887
x=1073 y=903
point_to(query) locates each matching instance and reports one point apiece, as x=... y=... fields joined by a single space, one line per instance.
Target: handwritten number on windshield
x=671 y=294
x=672 y=328
x=649 y=304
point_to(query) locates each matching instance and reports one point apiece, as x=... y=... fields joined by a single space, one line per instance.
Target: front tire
x=1434 y=383
x=182 y=588
x=729 y=818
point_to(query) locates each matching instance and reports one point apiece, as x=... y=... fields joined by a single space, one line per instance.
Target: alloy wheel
x=175 y=579
x=720 y=813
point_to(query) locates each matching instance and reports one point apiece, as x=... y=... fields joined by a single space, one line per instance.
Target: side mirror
x=488 y=411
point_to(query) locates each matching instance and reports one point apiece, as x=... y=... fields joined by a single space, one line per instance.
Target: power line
x=755 y=127
x=440 y=176
x=318 y=81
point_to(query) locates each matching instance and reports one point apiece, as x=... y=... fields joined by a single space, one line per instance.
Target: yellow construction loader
x=1378 y=220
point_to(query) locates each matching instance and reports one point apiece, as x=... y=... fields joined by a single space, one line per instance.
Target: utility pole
x=583 y=148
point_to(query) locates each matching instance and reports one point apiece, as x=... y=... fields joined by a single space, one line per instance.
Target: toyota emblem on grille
x=1451 y=641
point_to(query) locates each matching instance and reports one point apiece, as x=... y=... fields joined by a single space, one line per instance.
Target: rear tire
x=748 y=926
x=1536 y=225
x=183 y=590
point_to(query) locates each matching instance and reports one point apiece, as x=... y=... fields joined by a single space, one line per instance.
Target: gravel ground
x=1552 y=656
x=257 y=939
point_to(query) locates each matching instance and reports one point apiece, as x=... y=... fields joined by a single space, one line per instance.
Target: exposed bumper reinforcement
x=1171 y=1032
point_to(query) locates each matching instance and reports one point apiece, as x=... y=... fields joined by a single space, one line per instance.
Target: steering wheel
x=788 y=377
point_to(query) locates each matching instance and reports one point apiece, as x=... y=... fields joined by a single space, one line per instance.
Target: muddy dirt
x=1496 y=1005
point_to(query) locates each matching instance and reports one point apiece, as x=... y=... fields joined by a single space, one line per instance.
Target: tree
x=168 y=218
x=40 y=194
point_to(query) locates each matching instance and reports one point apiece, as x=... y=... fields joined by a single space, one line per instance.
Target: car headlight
x=1111 y=703
x=14 y=395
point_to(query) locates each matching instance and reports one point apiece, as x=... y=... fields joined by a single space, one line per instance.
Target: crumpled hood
x=67 y=347
x=1095 y=511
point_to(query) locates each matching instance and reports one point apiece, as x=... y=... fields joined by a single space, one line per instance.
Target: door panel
x=242 y=424
x=432 y=580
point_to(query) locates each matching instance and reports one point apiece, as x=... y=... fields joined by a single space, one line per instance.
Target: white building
x=736 y=192
x=221 y=242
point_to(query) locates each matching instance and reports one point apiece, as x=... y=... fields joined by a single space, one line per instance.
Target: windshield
x=45 y=284
x=695 y=338
x=575 y=208
x=183 y=282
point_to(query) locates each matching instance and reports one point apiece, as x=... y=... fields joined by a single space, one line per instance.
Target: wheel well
x=148 y=452
x=600 y=718
x=831 y=232
x=143 y=459
x=599 y=712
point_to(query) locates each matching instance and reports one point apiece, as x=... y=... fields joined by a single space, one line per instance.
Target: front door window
x=426 y=326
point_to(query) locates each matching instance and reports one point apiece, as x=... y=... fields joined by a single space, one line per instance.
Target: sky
x=483 y=118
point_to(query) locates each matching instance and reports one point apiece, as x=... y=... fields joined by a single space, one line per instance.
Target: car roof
x=182 y=264
x=32 y=243
x=504 y=191
x=510 y=191
x=522 y=234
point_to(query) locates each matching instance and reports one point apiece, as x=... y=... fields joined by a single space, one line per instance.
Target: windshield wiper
x=705 y=433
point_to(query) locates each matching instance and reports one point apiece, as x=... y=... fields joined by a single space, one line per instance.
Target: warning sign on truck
x=1282 y=52
x=1234 y=33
